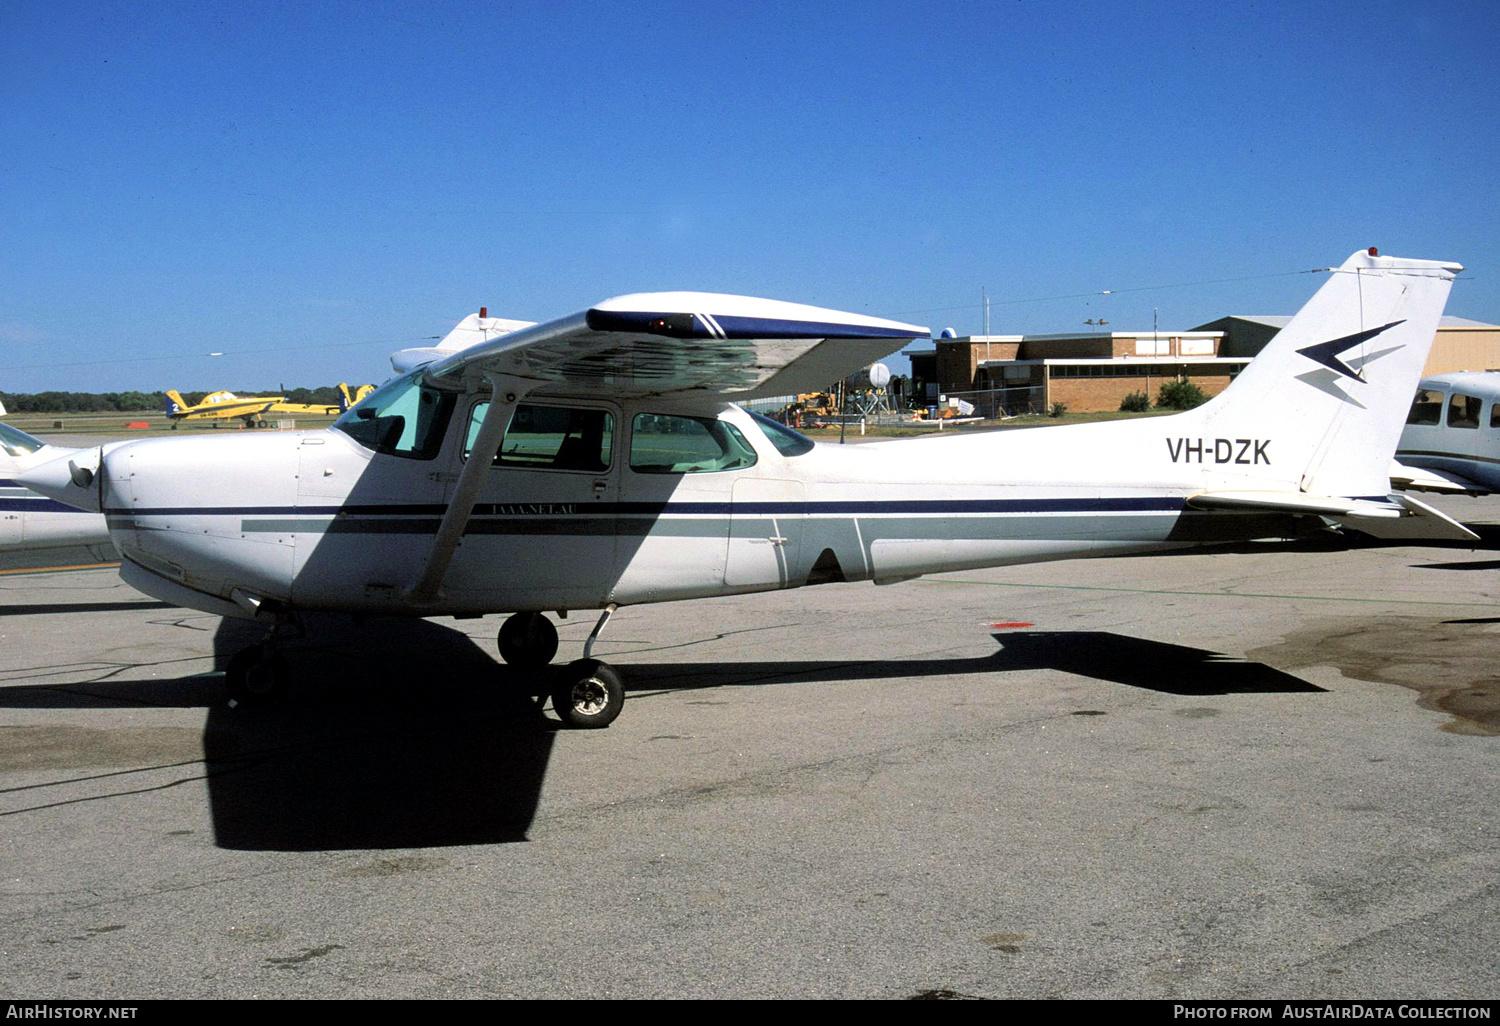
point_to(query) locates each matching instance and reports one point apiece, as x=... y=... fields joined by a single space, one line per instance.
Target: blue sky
x=308 y=187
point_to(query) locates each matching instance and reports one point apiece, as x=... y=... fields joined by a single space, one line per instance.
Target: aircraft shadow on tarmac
x=404 y=733
x=1488 y=540
x=399 y=734
x=1102 y=655
x=421 y=740
x=43 y=608
x=1480 y=564
x=1140 y=663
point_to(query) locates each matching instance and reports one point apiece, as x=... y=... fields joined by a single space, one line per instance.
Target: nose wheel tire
x=589 y=694
x=527 y=640
x=257 y=674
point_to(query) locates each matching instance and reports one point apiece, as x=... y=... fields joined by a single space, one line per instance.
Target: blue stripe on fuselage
x=39 y=504
x=858 y=507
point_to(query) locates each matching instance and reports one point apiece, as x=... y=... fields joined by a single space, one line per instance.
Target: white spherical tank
x=877 y=375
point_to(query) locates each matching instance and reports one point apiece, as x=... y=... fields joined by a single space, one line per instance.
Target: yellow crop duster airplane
x=253 y=409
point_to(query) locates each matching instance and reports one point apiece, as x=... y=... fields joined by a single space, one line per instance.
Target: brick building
x=1096 y=371
x=1085 y=372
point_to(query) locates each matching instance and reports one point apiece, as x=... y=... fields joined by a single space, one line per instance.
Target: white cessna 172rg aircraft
x=33 y=522
x=596 y=461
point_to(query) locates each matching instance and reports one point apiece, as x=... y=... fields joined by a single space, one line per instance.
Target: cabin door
x=542 y=534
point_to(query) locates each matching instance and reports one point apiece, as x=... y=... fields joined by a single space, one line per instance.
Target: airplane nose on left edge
x=72 y=479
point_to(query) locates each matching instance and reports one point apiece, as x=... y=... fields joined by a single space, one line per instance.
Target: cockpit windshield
x=404 y=417
x=787 y=441
x=18 y=443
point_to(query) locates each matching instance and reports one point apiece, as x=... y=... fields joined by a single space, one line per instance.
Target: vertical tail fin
x=352 y=396
x=175 y=403
x=1338 y=379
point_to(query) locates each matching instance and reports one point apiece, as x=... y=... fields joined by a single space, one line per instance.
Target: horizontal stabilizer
x=1296 y=502
x=1400 y=516
x=1427 y=479
x=1422 y=523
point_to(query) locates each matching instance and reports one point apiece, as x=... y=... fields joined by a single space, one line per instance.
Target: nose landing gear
x=261 y=674
x=257 y=674
x=527 y=640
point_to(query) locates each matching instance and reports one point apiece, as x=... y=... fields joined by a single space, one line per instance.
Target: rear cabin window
x=1463 y=411
x=1495 y=414
x=551 y=438
x=662 y=443
x=402 y=418
x=1427 y=408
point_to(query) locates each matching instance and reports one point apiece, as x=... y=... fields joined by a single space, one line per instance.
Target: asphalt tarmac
x=1258 y=773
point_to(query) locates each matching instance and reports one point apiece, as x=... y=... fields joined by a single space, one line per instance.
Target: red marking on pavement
x=137 y=425
x=1013 y=623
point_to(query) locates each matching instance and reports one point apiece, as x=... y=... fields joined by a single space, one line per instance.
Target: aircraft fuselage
x=316 y=520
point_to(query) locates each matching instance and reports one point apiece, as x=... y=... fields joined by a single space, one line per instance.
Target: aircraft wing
x=1428 y=479
x=679 y=344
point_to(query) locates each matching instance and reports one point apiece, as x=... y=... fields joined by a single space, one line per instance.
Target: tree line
x=138 y=402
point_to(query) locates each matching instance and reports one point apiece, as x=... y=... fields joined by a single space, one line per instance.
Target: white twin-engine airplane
x=34 y=523
x=596 y=461
x=1452 y=438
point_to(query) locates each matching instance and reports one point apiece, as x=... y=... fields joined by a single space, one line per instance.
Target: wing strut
x=507 y=396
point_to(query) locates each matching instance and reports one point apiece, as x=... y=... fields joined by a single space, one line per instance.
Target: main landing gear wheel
x=527 y=640
x=258 y=674
x=588 y=694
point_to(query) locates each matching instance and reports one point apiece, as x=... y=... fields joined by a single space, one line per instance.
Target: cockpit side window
x=18 y=443
x=402 y=418
x=787 y=441
x=1427 y=408
x=666 y=443
x=1463 y=410
x=551 y=437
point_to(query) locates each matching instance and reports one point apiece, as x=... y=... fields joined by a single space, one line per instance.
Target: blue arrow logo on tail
x=1327 y=353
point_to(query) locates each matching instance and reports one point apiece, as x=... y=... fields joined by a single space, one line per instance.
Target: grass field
x=120 y=425
x=44 y=424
